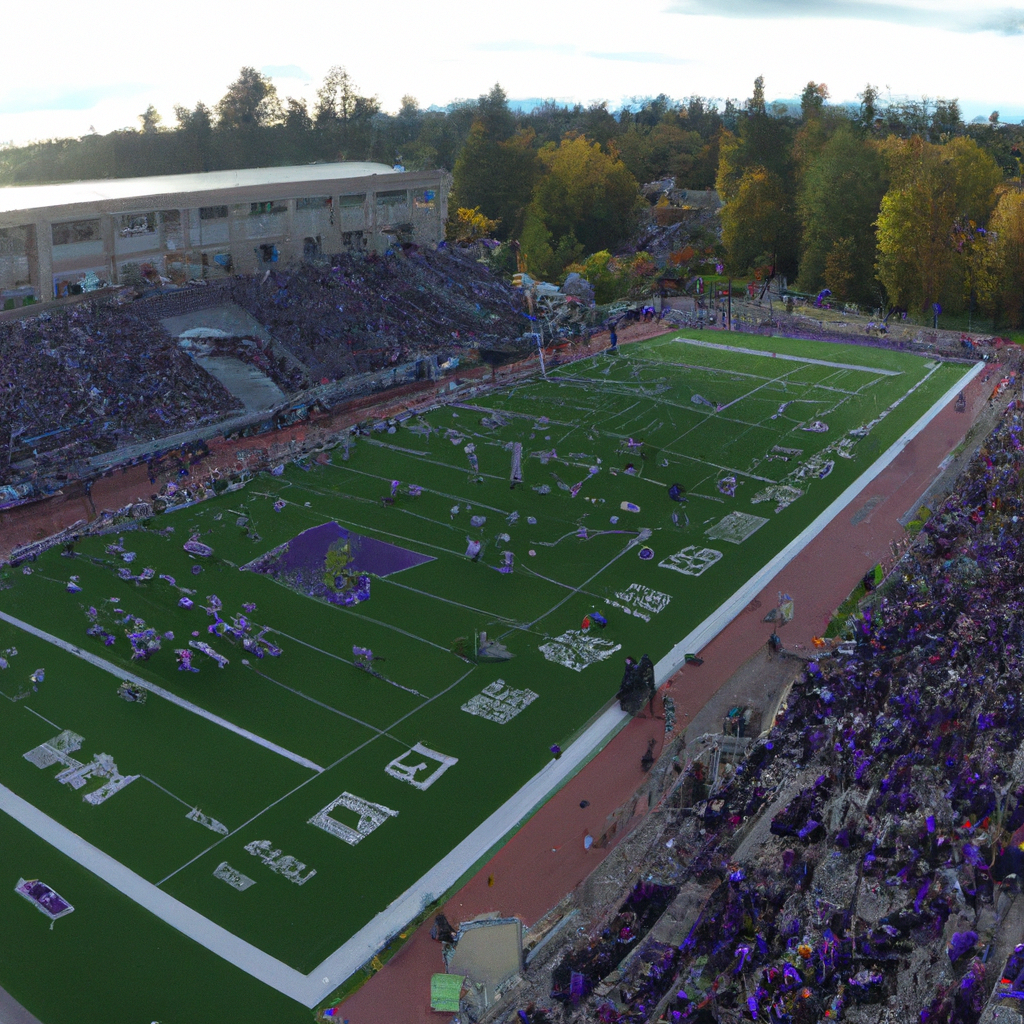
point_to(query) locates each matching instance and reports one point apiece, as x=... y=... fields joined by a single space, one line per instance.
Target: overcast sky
x=99 y=67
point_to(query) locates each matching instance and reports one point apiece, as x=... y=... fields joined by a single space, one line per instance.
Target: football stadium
x=252 y=739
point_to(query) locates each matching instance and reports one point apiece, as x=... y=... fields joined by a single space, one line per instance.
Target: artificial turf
x=576 y=428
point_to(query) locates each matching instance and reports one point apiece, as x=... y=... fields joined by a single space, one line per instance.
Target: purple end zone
x=378 y=557
x=333 y=564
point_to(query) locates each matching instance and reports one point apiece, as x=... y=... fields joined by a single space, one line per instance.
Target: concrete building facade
x=57 y=240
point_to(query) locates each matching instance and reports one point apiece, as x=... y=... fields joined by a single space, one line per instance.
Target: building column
x=370 y=215
x=289 y=245
x=107 y=229
x=44 y=259
x=234 y=238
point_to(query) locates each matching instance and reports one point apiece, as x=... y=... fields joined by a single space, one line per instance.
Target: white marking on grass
x=781 y=355
x=226 y=873
x=320 y=703
x=159 y=691
x=499 y=703
x=370 y=818
x=736 y=527
x=725 y=613
x=447 y=600
x=422 y=457
x=186 y=920
x=46 y=720
x=403 y=772
x=577 y=649
x=167 y=791
x=576 y=590
x=334 y=764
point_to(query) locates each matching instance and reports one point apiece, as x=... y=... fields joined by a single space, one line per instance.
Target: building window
x=213 y=213
x=394 y=198
x=352 y=239
x=272 y=206
x=401 y=233
x=216 y=264
x=132 y=224
x=76 y=231
x=348 y=202
x=425 y=200
x=313 y=203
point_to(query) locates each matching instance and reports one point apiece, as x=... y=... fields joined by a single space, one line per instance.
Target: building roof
x=35 y=197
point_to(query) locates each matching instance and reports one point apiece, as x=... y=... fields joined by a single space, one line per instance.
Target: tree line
x=882 y=202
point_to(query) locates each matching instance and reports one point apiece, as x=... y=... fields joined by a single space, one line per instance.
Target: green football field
x=328 y=781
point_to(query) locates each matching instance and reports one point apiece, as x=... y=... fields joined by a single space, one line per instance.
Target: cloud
x=284 y=71
x=23 y=101
x=522 y=46
x=1008 y=22
x=953 y=18
x=641 y=57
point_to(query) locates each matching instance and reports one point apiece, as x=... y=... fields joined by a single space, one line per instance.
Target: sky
x=99 y=69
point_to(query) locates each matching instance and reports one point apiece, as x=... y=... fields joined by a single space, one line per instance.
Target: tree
x=757 y=161
x=756 y=104
x=946 y=120
x=838 y=204
x=335 y=99
x=493 y=112
x=932 y=189
x=198 y=119
x=588 y=193
x=150 y=120
x=496 y=176
x=868 y=106
x=758 y=223
x=842 y=273
x=197 y=128
x=471 y=225
x=1006 y=270
x=250 y=102
x=813 y=99
x=296 y=116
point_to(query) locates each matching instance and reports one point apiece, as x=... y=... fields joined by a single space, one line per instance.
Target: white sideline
x=159 y=691
x=215 y=938
x=352 y=954
x=716 y=622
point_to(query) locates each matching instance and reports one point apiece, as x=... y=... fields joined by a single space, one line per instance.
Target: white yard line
x=159 y=691
x=778 y=355
x=351 y=955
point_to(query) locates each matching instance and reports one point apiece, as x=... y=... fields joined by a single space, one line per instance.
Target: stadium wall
x=62 y=240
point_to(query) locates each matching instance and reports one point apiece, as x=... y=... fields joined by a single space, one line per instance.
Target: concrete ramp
x=253 y=388
x=489 y=953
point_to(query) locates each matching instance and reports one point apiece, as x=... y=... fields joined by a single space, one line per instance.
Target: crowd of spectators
x=893 y=781
x=358 y=312
x=97 y=375
x=100 y=374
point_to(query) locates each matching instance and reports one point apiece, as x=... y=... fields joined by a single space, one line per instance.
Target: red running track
x=546 y=859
